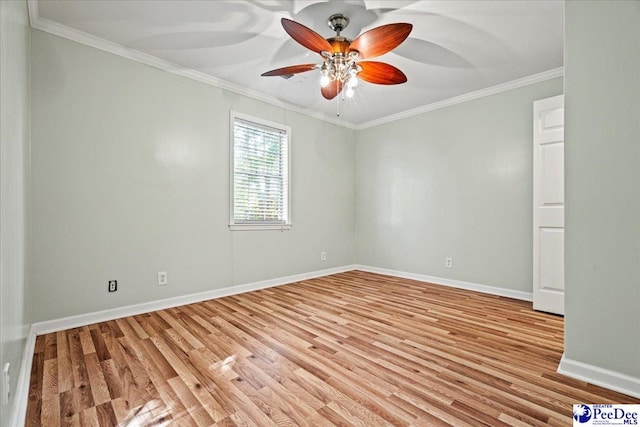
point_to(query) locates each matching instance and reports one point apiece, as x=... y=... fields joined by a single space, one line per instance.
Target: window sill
x=256 y=227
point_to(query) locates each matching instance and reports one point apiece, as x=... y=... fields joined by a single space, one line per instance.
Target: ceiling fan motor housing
x=339 y=45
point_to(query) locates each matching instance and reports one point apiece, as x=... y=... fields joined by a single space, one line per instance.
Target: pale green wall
x=131 y=177
x=602 y=132
x=14 y=137
x=453 y=182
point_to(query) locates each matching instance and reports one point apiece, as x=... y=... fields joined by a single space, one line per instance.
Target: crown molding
x=493 y=90
x=32 y=10
x=87 y=39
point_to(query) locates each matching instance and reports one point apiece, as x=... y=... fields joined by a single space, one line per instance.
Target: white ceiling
x=456 y=48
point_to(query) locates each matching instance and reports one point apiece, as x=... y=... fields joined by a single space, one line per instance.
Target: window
x=260 y=174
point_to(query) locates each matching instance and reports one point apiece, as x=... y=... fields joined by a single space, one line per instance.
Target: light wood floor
x=352 y=349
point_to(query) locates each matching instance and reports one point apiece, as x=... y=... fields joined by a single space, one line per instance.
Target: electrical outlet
x=162 y=278
x=113 y=285
x=448 y=262
x=6 y=383
x=323 y=256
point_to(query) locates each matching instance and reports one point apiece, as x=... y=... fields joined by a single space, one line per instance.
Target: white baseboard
x=599 y=376
x=22 y=385
x=525 y=296
x=39 y=328
x=131 y=310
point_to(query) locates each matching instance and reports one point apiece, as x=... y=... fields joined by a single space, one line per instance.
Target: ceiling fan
x=341 y=58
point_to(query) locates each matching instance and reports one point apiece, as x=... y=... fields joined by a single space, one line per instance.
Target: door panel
x=552 y=175
x=552 y=259
x=548 y=205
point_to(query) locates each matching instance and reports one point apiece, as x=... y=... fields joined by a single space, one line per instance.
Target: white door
x=548 y=205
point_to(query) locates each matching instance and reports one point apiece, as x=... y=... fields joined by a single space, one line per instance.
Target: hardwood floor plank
x=89 y=417
x=285 y=375
x=356 y=415
x=99 y=388
x=192 y=382
x=50 y=415
x=65 y=370
x=135 y=326
x=49 y=377
x=247 y=343
x=143 y=383
x=351 y=349
x=37 y=381
x=239 y=405
x=99 y=345
x=189 y=401
x=86 y=341
x=180 y=330
x=143 y=321
x=155 y=358
x=278 y=414
x=112 y=378
x=70 y=408
x=106 y=415
x=80 y=374
x=422 y=417
x=39 y=345
x=333 y=417
x=50 y=346
x=272 y=391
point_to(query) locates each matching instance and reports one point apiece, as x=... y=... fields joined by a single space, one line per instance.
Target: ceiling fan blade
x=331 y=90
x=293 y=69
x=306 y=36
x=380 y=73
x=380 y=40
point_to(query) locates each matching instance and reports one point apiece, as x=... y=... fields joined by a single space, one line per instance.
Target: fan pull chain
x=338 y=97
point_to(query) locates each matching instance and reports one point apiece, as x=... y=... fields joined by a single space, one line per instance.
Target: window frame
x=287 y=223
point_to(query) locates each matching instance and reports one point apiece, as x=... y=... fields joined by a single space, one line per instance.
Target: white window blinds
x=260 y=181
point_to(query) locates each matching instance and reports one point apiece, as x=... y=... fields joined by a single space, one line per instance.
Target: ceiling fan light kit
x=340 y=67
